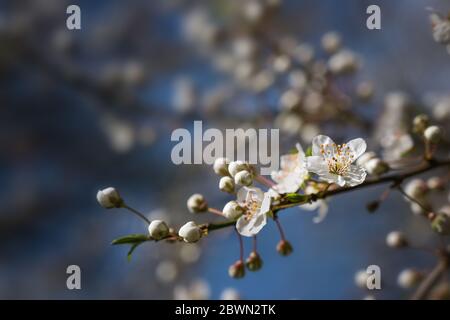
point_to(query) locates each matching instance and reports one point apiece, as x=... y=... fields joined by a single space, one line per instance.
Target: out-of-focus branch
x=430 y=280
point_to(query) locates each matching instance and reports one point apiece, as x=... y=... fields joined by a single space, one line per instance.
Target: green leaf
x=296 y=198
x=308 y=152
x=293 y=151
x=131 y=239
x=132 y=248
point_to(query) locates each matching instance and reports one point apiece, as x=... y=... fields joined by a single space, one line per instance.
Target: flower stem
x=140 y=215
x=254 y=244
x=215 y=211
x=264 y=181
x=280 y=229
x=241 y=245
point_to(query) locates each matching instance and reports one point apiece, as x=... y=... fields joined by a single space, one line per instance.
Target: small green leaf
x=131 y=239
x=296 y=198
x=308 y=152
x=293 y=151
x=132 y=248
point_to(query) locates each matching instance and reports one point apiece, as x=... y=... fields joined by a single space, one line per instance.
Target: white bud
x=243 y=178
x=226 y=184
x=433 y=134
x=416 y=188
x=396 y=239
x=376 y=166
x=221 y=166
x=197 y=203
x=342 y=62
x=361 y=279
x=230 y=294
x=331 y=42
x=190 y=232
x=158 y=229
x=409 y=278
x=362 y=160
x=416 y=209
x=365 y=90
x=435 y=183
x=109 y=198
x=232 y=210
x=236 y=166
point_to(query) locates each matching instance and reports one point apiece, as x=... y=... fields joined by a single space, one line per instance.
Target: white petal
x=356 y=175
x=357 y=146
x=316 y=164
x=265 y=205
x=301 y=153
x=318 y=141
x=310 y=206
x=322 y=213
x=242 y=195
x=256 y=193
x=251 y=227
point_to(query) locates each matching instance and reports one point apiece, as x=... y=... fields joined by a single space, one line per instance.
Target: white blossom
x=256 y=205
x=293 y=172
x=333 y=163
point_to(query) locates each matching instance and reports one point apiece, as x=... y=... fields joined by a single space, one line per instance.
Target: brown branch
x=430 y=280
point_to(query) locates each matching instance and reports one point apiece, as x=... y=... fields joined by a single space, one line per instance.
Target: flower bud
x=243 y=178
x=441 y=31
x=435 y=183
x=343 y=62
x=409 y=278
x=441 y=223
x=365 y=91
x=221 y=166
x=360 y=278
x=226 y=184
x=416 y=188
x=433 y=134
x=190 y=232
x=237 y=270
x=158 y=229
x=236 y=166
x=197 y=203
x=254 y=261
x=420 y=123
x=331 y=42
x=109 y=198
x=232 y=210
x=362 y=160
x=396 y=239
x=376 y=166
x=284 y=248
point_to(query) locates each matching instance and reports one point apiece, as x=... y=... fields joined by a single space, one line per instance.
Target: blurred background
x=86 y=109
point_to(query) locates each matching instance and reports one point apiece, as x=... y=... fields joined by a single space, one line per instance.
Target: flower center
x=339 y=157
x=252 y=206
